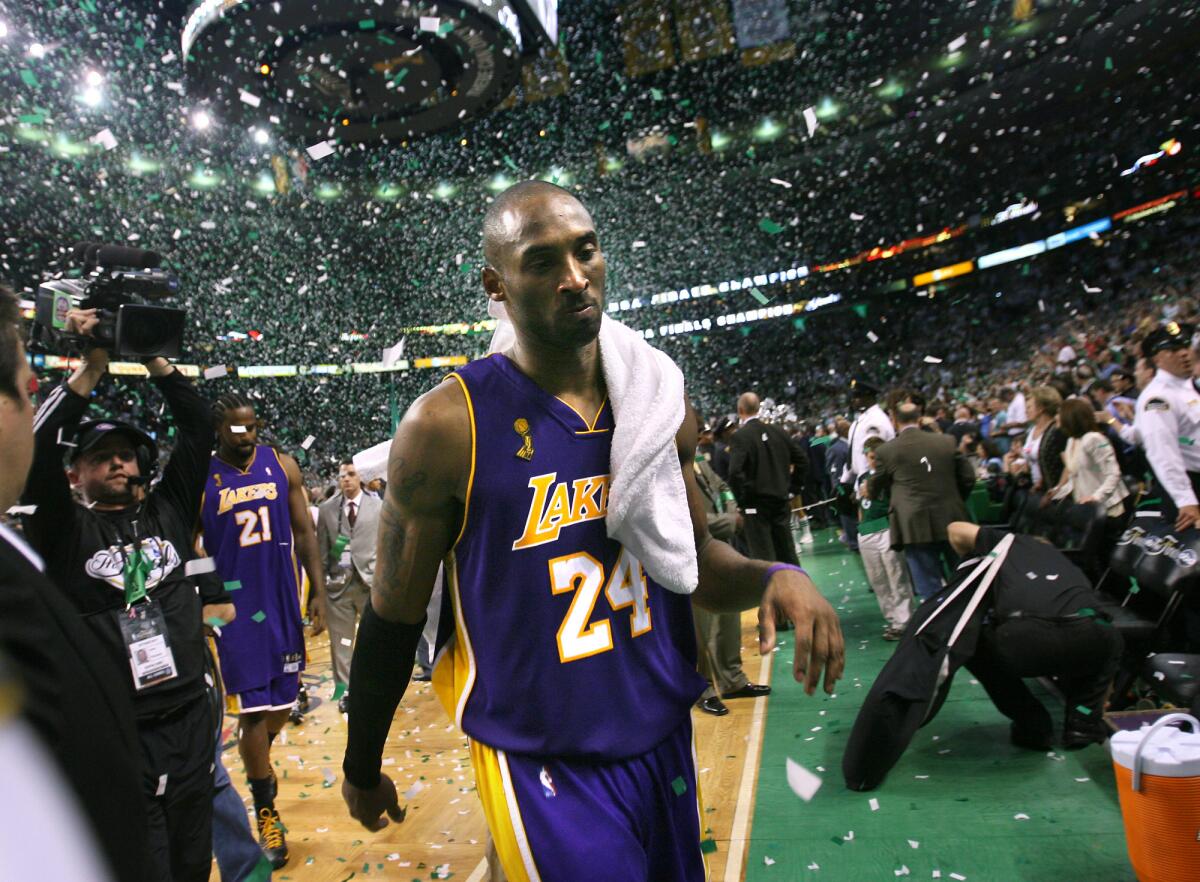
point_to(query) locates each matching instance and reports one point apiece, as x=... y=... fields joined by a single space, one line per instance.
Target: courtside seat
x=1174 y=675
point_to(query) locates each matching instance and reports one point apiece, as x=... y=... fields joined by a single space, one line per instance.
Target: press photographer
x=122 y=555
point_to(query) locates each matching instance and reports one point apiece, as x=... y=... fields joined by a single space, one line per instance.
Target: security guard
x=871 y=422
x=1168 y=421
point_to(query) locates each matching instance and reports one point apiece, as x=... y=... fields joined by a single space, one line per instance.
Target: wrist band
x=775 y=568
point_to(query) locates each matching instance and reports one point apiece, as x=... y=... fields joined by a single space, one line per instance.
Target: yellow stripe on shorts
x=502 y=812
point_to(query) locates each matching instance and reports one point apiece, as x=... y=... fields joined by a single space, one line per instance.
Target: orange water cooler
x=1158 y=781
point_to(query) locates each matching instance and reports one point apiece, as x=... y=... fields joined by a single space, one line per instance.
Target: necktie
x=353 y=516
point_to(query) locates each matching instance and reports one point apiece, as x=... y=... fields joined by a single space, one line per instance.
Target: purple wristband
x=775 y=568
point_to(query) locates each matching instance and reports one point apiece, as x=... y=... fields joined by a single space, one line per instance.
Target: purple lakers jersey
x=554 y=640
x=248 y=531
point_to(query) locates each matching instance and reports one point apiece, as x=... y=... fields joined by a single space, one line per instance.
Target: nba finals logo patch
x=547 y=783
x=521 y=427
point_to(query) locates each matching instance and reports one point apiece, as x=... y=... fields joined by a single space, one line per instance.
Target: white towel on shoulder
x=647 y=504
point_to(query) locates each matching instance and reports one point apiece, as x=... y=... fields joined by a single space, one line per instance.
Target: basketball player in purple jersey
x=572 y=671
x=255 y=525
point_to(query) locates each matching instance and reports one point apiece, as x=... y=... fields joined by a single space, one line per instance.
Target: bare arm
x=422 y=511
x=731 y=583
x=962 y=536
x=306 y=542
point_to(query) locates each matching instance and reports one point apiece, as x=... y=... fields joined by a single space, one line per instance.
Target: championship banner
x=647 y=38
x=704 y=29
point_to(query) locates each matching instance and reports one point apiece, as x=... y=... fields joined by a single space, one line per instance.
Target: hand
x=367 y=806
x=226 y=612
x=792 y=596
x=82 y=321
x=317 y=614
x=1125 y=410
x=1188 y=516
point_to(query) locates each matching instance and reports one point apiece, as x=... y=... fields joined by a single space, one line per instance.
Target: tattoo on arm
x=391 y=551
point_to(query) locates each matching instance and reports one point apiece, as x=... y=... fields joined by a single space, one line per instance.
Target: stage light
x=264 y=69
x=720 y=140
x=141 y=165
x=768 y=130
x=444 y=190
x=328 y=191
x=201 y=120
x=264 y=184
x=37 y=50
x=260 y=136
x=94 y=78
x=203 y=179
x=3 y=30
x=91 y=97
x=388 y=191
x=499 y=183
x=827 y=109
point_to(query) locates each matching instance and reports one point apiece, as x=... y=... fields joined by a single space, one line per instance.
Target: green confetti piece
x=508 y=160
x=799 y=323
x=28 y=78
x=708 y=846
x=447 y=27
x=400 y=75
x=214 y=622
x=760 y=296
x=139 y=43
x=656 y=94
x=769 y=226
x=338 y=691
x=599 y=58
x=1086 y=711
x=679 y=786
x=603 y=127
x=235 y=585
x=259 y=617
x=384 y=38
x=366 y=24
x=1108 y=64
x=837 y=840
x=465 y=268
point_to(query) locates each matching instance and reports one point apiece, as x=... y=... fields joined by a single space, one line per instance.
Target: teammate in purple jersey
x=571 y=669
x=255 y=525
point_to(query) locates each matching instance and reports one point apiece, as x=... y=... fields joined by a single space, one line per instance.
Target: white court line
x=479 y=872
x=741 y=816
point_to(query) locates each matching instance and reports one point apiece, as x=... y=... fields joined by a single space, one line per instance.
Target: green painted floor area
x=955 y=794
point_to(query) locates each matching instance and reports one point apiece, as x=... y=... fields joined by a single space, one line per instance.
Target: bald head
x=747 y=405
x=508 y=215
x=908 y=414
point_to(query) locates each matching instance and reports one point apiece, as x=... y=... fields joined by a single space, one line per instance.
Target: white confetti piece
x=430 y=23
x=785 y=184
x=941 y=137
x=346 y=641
x=214 y=373
x=803 y=782
x=414 y=790
x=105 y=138
x=960 y=878
x=320 y=150
x=903 y=871
x=1020 y=816
x=872 y=336
x=874 y=804
x=308 y=442
x=1052 y=577
x=855 y=216
x=322 y=829
x=394 y=856
x=238 y=430
x=914 y=844
x=249 y=98
x=22 y=510
x=769 y=861
x=930 y=359
x=810 y=120
x=814 y=866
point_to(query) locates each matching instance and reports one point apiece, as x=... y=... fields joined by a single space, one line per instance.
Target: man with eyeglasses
x=123 y=556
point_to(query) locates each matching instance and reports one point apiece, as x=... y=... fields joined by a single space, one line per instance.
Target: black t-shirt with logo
x=85 y=550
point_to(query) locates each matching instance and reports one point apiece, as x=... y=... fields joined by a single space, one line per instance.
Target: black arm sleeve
x=47 y=487
x=382 y=664
x=183 y=479
x=212 y=589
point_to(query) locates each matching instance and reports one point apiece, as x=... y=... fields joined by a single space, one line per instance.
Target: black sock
x=262 y=790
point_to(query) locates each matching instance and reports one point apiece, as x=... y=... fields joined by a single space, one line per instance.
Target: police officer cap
x=93 y=432
x=1172 y=335
x=863 y=386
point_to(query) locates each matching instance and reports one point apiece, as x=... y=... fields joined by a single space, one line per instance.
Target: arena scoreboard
x=358 y=70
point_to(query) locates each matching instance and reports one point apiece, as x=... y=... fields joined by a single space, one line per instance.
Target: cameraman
x=121 y=558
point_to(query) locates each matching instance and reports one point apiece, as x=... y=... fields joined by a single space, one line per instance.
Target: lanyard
x=134 y=567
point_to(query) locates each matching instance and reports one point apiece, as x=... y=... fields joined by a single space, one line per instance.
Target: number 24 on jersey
x=578 y=636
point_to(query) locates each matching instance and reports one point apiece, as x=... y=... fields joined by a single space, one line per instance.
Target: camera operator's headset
x=145 y=449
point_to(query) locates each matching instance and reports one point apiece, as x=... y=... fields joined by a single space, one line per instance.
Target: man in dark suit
x=75 y=697
x=766 y=469
x=928 y=479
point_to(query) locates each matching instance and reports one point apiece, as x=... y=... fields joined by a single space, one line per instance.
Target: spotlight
x=201 y=120
x=264 y=69
x=37 y=50
x=260 y=136
x=94 y=78
x=91 y=97
x=3 y=30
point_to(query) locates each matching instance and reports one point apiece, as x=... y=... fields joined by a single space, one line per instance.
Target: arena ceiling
x=865 y=122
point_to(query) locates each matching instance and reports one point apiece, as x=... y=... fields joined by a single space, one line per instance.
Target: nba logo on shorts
x=547 y=783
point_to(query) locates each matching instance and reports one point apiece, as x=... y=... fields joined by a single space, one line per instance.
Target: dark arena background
x=955 y=203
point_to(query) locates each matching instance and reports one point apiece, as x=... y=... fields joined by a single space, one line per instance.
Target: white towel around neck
x=647 y=504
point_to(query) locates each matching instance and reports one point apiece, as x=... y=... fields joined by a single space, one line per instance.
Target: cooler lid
x=1169 y=752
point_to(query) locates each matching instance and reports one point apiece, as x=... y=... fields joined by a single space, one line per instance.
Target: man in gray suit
x=928 y=479
x=346 y=532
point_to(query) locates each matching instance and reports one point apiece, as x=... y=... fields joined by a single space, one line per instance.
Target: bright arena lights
x=91 y=96
x=260 y=136
x=37 y=50
x=94 y=78
x=201 y=120
x=3 y=30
